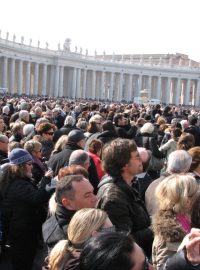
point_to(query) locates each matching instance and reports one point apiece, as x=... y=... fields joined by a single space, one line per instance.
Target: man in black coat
x=76 y=140
x=73 y=193
x=118 y=198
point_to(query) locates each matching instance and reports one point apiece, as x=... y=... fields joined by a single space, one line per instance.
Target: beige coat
x=168 y=236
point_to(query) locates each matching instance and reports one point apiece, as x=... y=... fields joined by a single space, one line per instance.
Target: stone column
x=102 y=86
x=12 y=76
x=55 y=94
x=36 y=76
x=120 y=86
x=44 y=79
x=197 y=94
x=74 y=83
x=4 y=72
x=84 y=82
x=111 y=86
x=178 y=92
x=78 y=83
x=168 y=91
x=52 y=80
x=20 y=77
x=130 y=82
x=61 y=81
x=149 y=87
x=187 y=92
x=158 y=95
x=139 y=85
x=28 y=78
x=93 y=84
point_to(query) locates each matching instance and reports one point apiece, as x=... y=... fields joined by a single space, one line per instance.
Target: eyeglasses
x=50 y=133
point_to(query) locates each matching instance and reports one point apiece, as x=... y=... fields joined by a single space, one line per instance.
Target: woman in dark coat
x=24 y=207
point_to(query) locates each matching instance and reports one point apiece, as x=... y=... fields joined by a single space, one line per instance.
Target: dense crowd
x=98 y=186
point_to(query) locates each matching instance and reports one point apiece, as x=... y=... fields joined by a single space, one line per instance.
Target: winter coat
x=54 y=228
x=60 y=160
x=168 y=235
x=107 y=136
x=125 y=209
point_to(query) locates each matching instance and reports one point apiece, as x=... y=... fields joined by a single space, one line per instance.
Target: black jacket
x=61 y=159
x=126 y=210
x=23 y=205
x=107 y=136
x=55 y=228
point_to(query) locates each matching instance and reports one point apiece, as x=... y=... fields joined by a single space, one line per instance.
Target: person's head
x=60 y=144
x=113 y=251
x=72 y=170
x=192 y=120
x=147 y=128
x=6 y=110
x=195 y=212
x=24 y=116
x=119 y=119
x=145 y=156
x=184 y=124
x=185 y=142
x=195 y=154
x=21 y=161
x=46 y=130
x=69 y=121
x=77 y=137
x=177 y=192
x=79 y=157
x=17 y=128
x=121 y=156
x=34 y=148
x=82 y=124
x=28 y=130
x=2 y=124
x=75 y=192
x=179 y=161
x=175 y=133
x=95 y=147
x=38 y=111
x=4 y=143
x=108 y=125
x=84 y=224
x=160 y=121
x=103 y=113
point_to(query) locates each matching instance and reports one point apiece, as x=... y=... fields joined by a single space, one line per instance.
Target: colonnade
x=21 y=76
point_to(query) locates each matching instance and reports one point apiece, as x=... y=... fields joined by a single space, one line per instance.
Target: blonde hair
x=32 y=145
x=82 y=225
x=173 y=192
x=60 y=144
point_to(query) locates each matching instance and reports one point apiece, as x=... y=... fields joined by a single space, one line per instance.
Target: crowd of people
x=98 y=186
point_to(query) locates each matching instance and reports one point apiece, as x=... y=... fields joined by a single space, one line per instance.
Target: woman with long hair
x=84 y=224
x=171 y=222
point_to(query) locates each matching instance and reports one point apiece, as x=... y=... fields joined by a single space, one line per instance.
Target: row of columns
x=55 y=80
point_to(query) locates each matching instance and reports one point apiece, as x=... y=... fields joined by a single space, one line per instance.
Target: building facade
x=25 y=69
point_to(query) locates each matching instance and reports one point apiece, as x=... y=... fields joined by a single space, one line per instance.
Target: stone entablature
x=27 y=70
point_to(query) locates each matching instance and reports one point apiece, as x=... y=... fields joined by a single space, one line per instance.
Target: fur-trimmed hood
x=165 y=225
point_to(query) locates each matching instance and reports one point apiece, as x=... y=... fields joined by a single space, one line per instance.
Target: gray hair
x=69 y=120
x=78 y=157
x=179 y=161
x=23 y=114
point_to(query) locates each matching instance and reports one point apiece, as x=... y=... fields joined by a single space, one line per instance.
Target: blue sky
x=120 y=26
